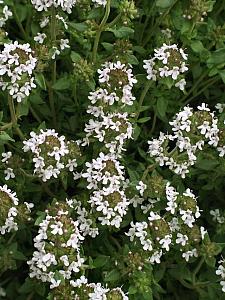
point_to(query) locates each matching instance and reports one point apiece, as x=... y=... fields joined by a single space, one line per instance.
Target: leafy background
x=129 y=36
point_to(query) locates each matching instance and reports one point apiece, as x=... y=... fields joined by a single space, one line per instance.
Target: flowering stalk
x=53 y=80
x=143 y=95
x=14 y=117
x=99 y=31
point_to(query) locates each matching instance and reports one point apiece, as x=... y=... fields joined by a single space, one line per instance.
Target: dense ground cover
x=112 y=141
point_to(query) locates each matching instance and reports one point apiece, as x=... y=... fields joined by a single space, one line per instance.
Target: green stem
x=199 y=80
x=25 y=36
x=114 y=240
x=149 y=168
x=53 y=79
x=143 y=94
x=14 y=117
x=153 y=123
x=99 y=31
x=11 y=238
x=6 y=126
x=157 y=23
x=187 y=285
x=34 y=114
x=30 y=296
x=207 y=85
x=114 y=22
x=197 y=269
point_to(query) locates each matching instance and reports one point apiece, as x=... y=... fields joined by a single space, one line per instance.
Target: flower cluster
x=9 y=204
x=112 y=129
x=175 y=228
x=5 y=13
x=85 y=219
x=58 y=242
x=56 y=45
x=221 y=272
x=82 y=289
x=65 y=5
x=93 y=291
x=192 y=130
x=9 y=173
x=16 y=68
x=217 y=216
x=52 y=153
x=116 y=81
x=105 y=175
x=197 y=10
x=168 y=62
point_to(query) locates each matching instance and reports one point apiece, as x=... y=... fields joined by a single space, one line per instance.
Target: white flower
x=222 y=283
x=57 y=228
x=55 y=52
x=216 y=216
x=191 y=253
x=220 y=107
x=72 y=163
x=9 y=173
x=181 y=84
x=141 y=187
x=181 y=239
x=165 y=242
x=6 y=156
x=40 y=37
x=100 y=2
x=155 y=257
x=64 y=43
x=203 y=232
x=221 y=271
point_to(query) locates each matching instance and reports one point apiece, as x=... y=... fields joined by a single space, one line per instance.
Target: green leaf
x=40 y=218
x=27 y=286
x=222 y=75
x=23 y=108
x=197 y=46
x=162 y=104
x=75 y=56
x=19 y=255
x=136 y=132
x=36 y=99
x=109 y=47
x=39 y=78
x=78 y=26
x=95 y=13
x=132 y=290
x=210 y=261
x=206 y=164
x=62 y=84
x=134 y=176
x=113 y=275
x=122 y=32
x=217 y=58
x=164 y=3
x=21 y=11
x=4 y=137
x=144 y=120
x=131 y=59
x=100 y=261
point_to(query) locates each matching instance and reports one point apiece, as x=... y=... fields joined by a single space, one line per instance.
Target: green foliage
x=126 y=31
